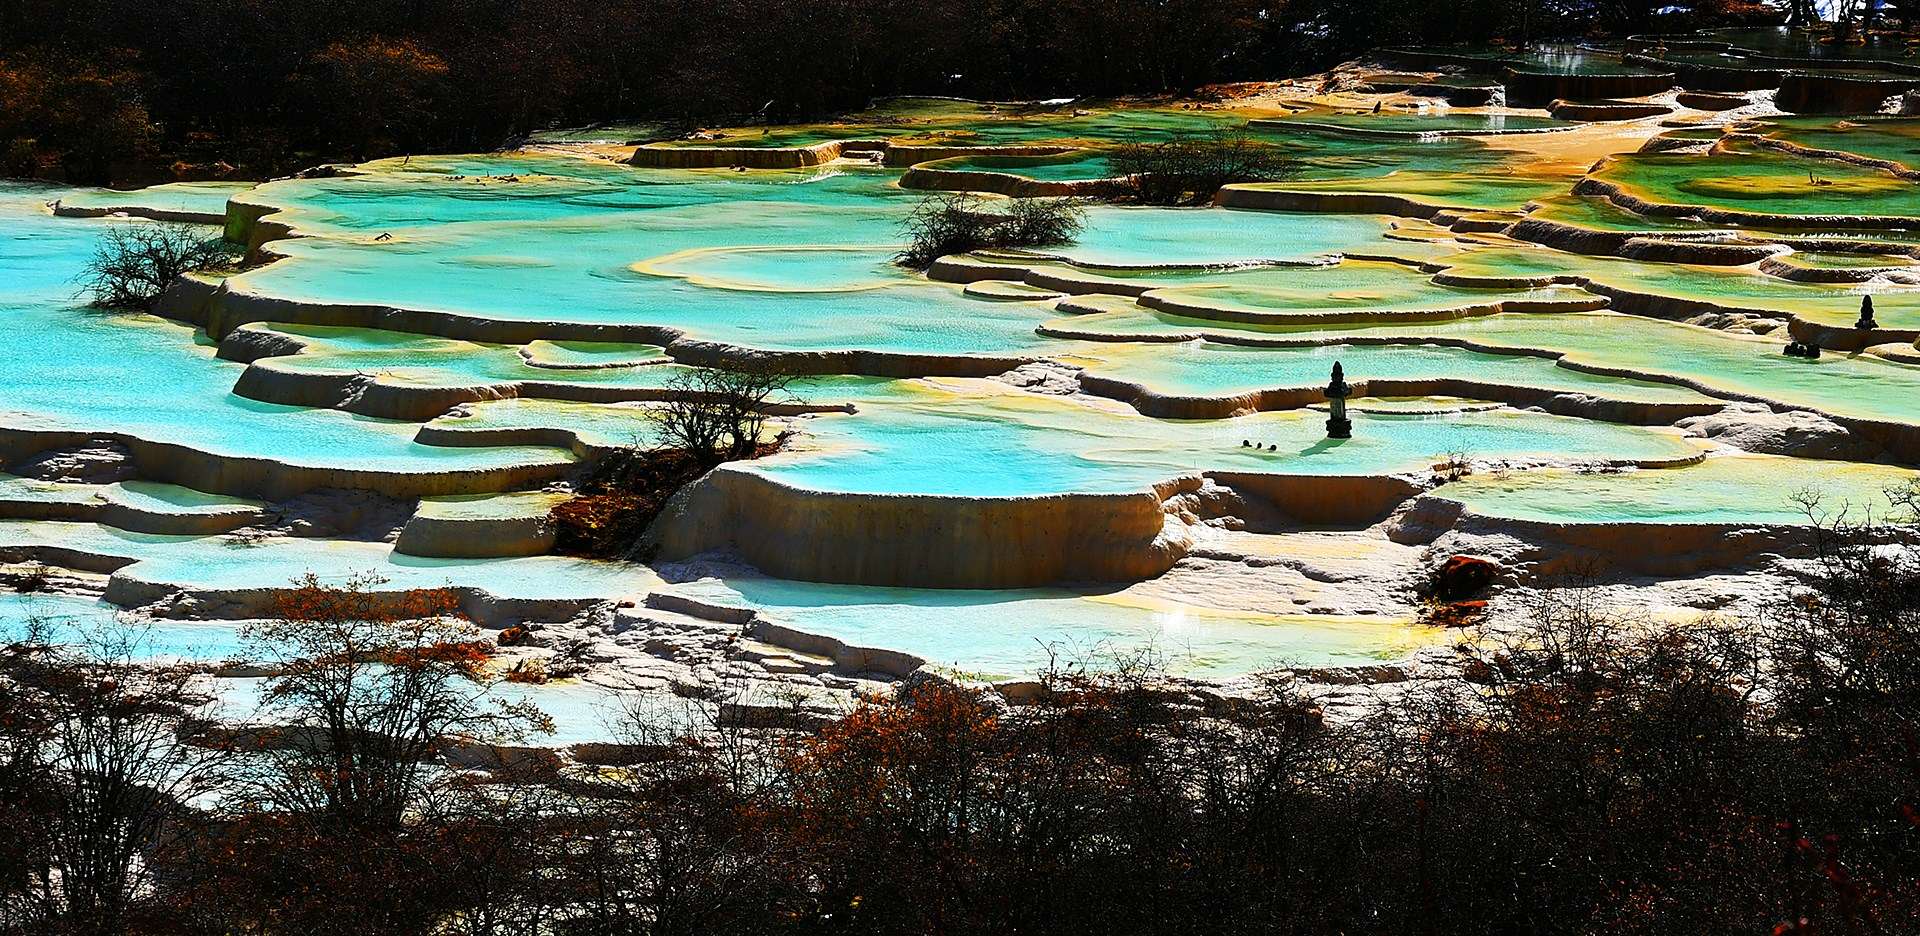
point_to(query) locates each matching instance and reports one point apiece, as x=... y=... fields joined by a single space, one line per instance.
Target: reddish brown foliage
x=1462 y=577
x=625 y=495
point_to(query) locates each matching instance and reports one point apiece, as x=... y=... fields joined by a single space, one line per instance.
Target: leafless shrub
x=960 y=222
x=135 y=262
x=718 y=413
x=99 y=759
x=1188 y=170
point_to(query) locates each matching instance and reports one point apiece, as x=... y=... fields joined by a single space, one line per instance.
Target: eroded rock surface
x=336 y=513
x=1756 y=427
x=100 y=461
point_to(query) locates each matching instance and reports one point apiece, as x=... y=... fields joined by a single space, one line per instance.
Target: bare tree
x=369 y=688
x=98 y=763
x=1188 y=170
x=718 y=413
x=136 y=261
x=959 y=222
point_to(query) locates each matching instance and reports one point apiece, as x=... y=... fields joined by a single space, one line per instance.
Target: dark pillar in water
x=1338 y=425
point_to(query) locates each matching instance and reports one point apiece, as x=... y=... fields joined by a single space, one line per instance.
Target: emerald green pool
x=1075 y=167
x=1439 y=121
x=1766 y=182
x=1446 y=189
x=1893 y=139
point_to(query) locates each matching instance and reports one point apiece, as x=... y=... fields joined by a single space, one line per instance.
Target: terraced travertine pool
x=1437 y=122
x=1764 y=183
x=461 y=338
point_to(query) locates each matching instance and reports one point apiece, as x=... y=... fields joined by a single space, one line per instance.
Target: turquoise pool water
x=1070 y=168
x=1721 y=361
x=70 y=367
x=965 y=438
x=1723 y=489
x=1210 y=369
x=209 y=198
x=581 y=711
x=220 y=562
x=77 y=620
x=1014 y=633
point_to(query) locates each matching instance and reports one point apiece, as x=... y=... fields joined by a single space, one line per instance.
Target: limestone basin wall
x=859 y=362
x=1710 y=101
x=220 y=308
x=1558 y=402
x=1233 y=196
x=139 y=211
x=750 y=157
x=925 y=541
x=1462 y=95
x=1605 y=110
x=368 y=395
x=929 y=178
x=898 y=155
x=1618 y=195
x=1634 y=548
x=845 y=656
x=1847 y=339
x=266 y=479
x=124 y=517
x=1773 y=266
x=985 y=542
x=126 y=589
x=1573 y=238
x=1803 y=93
x=1324 y=500
x=1374 y=133
x=470 y=538
x=799 y=157
x=249 y=223
x=1714 y=78
x=1537 y=89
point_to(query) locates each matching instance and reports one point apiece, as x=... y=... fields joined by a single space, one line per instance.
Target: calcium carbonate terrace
x=1097 y=446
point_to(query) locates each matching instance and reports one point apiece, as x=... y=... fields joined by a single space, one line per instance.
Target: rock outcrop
x=1757 y=427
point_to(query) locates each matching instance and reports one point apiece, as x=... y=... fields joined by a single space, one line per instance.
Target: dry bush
x=136 y=262
x=369 y=688
x=1188 y=170
x=717 y=413
x=100 y=757
x=961 y=222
